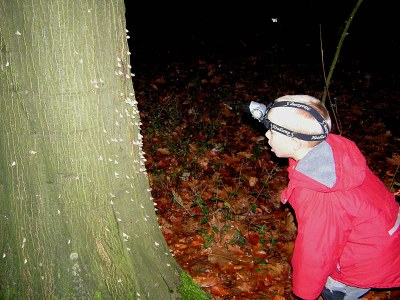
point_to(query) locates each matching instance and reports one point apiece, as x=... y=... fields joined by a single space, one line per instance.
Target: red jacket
x=344 y=215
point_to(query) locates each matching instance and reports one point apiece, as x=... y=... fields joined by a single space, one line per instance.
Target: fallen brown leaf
x=394 y=160
x=253 y=181
x=164 y=151
x=218 y=290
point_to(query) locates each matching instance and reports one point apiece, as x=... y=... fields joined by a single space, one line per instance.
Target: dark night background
x=164 y=31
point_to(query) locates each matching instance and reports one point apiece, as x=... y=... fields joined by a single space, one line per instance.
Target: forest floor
x=216 y=183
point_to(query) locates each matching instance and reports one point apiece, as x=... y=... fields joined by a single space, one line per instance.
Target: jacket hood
x=335 y=164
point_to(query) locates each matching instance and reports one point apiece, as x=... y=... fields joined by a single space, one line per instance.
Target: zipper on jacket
x=338 y=267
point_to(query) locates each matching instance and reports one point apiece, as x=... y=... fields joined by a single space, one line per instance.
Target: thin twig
x=394 y=177
x=339 y=47
x=333 y=107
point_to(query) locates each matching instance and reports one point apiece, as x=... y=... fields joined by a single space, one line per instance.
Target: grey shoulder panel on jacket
x=319 y=165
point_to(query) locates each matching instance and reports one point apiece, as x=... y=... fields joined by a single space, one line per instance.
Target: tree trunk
x=76 y=216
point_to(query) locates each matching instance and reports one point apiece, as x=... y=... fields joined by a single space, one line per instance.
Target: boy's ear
x=297 y=144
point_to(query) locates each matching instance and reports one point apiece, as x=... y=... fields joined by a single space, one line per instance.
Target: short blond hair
x=299 y=120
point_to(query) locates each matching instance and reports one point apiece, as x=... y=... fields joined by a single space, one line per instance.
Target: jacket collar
x=319 y=165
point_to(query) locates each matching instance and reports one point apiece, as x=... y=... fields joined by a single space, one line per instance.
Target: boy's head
x=307 y=127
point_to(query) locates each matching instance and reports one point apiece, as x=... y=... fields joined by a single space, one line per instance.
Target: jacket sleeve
x=322 y=232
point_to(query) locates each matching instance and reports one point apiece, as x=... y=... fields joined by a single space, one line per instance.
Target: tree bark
x=76 y=216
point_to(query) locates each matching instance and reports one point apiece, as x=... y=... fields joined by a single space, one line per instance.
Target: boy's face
x=281 y=145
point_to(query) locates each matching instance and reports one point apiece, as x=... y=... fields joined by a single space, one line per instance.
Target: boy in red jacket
x=348 y=238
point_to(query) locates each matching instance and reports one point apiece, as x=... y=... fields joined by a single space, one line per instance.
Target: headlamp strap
x=312 y=111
